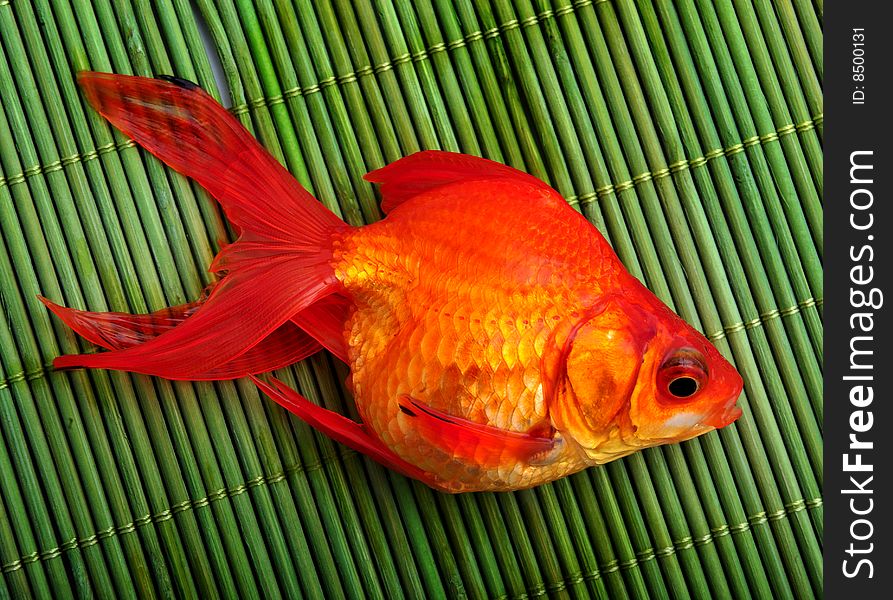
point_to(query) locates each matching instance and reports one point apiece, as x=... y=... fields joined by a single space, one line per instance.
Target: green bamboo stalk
x=572 y=33
x=66 y=148
x=795 y=214
x=527 y=17
x=719 y=498
x=532 y=566
x=793 y=67
x=635 y=554
x=367 y=50
x=29 y=530
x=800 y=54
x=553 y=127
x=556 y=519
x=211 y=546
x=610 y=572
x=590 y=570
x=327 y=536
x=632 y=95
x=656 y=492
x=781 y=346
x=462 y=523
x=518 y=147
x=717 y=553
x=159 y=433
x=381 y=523
x=331 y=529
x=811 y=25
x=186 y=265
x=13 y=576
x=448 y=115
x=389 y=43
x=68 y=455
x=445 y=46
x=351 y=62
x=246 y=434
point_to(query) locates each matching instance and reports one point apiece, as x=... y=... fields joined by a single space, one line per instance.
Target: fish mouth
x=724 y=416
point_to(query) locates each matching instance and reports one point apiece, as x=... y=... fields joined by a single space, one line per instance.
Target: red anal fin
x=473 y=442
x=430 y=169
x=340 y=428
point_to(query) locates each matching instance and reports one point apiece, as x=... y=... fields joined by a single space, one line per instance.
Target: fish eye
x=683 y=387
x=682 y=374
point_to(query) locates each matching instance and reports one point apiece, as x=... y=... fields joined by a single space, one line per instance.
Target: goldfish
x=495 y=340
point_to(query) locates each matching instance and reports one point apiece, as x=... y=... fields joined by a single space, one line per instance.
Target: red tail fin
x=280 y=265
x=116 y=331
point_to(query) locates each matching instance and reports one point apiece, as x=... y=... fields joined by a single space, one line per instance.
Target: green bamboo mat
x=688 y=131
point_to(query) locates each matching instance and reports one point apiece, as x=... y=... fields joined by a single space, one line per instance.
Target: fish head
x=636 y=375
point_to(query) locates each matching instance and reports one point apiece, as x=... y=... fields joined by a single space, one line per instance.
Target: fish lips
x=729 y=413
x=723 y=417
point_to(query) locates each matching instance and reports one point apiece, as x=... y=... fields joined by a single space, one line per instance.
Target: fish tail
x=116 y=331
x=276 y=273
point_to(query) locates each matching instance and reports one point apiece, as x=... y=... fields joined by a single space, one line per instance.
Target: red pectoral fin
x=340 y=428
x=423 y=171
x=473 y=442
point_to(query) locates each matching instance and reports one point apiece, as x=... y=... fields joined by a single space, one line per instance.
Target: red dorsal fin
x=430 y=169
x=473 y=442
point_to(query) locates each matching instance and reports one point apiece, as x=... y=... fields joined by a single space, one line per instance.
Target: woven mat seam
x=694 y=163
x=645 y=555
x=59 y=164
x=158 y=517
x=765 y=317
x=407 y=57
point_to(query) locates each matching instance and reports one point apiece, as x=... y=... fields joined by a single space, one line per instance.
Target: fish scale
x=457 y=325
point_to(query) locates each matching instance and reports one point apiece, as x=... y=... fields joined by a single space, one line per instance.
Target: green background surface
x=689 y=132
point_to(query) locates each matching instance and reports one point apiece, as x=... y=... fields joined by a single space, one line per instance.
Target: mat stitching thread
x=764 y=317
x=159 y=517
x=614 y=565
x=59 y=164
x=418 y=56
x=693 y=163
x=716 y=532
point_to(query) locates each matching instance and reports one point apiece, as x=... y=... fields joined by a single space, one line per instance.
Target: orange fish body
x=494 y=338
